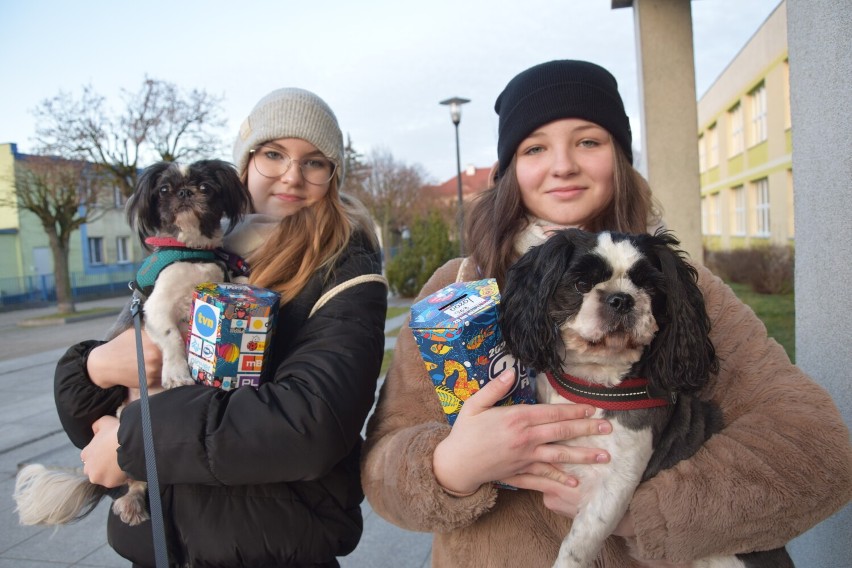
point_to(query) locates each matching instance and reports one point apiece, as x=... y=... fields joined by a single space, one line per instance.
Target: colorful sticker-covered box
x=230 y=334
x=461 y=344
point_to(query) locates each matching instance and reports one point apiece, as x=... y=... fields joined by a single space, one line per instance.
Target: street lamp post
x=455 y=104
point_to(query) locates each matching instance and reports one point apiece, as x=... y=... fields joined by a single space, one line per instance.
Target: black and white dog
x=618 y=321
x=177 y=211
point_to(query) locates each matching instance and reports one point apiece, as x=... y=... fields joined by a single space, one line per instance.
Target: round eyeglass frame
x=254 y=150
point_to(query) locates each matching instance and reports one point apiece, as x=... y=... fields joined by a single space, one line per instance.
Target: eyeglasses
x=273 y=163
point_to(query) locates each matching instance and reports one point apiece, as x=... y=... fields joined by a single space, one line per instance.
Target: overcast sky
x=382 y=65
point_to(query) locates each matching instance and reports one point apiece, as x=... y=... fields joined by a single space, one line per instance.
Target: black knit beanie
x=555 y=90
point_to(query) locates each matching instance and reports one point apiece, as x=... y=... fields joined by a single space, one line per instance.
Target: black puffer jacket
x=265 y=477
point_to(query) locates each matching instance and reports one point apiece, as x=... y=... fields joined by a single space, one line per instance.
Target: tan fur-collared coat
x=782 y=463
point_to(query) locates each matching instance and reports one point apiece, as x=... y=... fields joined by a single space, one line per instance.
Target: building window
x=118 y=198
x=758 y=114
x=702 y=155
x=711 y=214
x=122 y=248
x=735 y=125
x=788 y=121
x=712 y=147
x=96 y=250
x=738 y=195
x=761 y=207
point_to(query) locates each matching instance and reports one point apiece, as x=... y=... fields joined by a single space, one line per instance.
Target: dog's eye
x=582 y=287
x=164 y=189
x=203 y=188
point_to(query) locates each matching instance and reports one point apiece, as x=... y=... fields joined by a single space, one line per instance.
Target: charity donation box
x=230 y=334
x=459 y=337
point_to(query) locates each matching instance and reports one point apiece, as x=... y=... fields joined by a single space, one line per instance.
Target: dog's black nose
x=620 y=302
x=184 y=193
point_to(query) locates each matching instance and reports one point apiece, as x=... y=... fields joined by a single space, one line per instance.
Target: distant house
x=745 y=148
x=103 y=254
x=474 y=181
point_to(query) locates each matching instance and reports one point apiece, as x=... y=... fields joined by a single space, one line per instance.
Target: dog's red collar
x=631 y=394
x=161 y=242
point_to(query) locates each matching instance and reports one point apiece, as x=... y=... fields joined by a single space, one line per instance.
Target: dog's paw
x=176 y=375
x=176 y=381
x=131 y=509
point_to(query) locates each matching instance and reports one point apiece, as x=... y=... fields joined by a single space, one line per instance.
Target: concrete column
x=819 y=35
x=669 y=114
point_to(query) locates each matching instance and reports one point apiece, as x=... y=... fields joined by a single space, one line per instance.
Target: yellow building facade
x=745 y=145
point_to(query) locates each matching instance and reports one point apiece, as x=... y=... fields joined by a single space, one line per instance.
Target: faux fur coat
x=781 y=464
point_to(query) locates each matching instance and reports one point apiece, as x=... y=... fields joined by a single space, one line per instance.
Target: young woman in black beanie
x=565 y=159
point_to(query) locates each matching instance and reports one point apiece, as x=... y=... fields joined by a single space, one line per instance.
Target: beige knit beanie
x=291 y=113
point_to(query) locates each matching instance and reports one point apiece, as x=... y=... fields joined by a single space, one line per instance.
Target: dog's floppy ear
x=526 y=314
x=681 y=357
x=142 y=209
x=236 y=199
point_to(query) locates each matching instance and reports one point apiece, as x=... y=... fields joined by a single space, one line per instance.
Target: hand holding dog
x=489 y=443
x=114 y=362
x=100 y=457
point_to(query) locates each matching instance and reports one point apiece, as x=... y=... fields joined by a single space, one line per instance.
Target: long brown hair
x=311 y=239
x=498 y=215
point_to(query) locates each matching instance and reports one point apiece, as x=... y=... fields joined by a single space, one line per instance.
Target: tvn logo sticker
x=205 y=320
x=251 y=363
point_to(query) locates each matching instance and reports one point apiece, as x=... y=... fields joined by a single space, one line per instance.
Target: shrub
x=767 y=269
x=428 y=249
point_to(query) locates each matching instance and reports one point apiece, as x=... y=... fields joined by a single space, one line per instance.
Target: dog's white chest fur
x=167 y=312
x=606 y=488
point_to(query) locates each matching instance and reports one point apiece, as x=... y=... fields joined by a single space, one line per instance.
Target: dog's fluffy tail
x=54 y=496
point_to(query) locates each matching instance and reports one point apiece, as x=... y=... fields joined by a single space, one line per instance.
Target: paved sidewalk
x=32 y=433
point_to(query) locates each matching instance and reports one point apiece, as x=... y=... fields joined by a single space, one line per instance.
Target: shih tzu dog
x=618 y=321
x=178 y=212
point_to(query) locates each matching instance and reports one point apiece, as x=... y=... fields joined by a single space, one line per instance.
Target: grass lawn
x=392 y=313
x=777 y=311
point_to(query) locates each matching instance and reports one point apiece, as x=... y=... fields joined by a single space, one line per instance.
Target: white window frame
x=711 y=214
x=788 y=121
x=735 y=122
x=122 y=250
x=96 y=251
x=702 y=155
x=118 y=198
x=740 y=217
x=760 y=189
x=713 y=147
x=758 y=114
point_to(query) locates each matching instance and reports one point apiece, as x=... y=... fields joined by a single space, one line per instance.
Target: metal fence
x=40 y=290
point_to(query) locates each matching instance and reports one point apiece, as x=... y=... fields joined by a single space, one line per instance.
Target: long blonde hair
x=499 y=215
x=308 y=241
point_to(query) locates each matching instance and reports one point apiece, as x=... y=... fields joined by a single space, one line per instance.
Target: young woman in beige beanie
x=266 y=476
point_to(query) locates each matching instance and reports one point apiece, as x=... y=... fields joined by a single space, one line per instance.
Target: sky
x=382 y=65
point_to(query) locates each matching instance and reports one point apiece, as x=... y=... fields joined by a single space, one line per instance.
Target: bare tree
x=63 y=195
x=392 y=191
x=158 y=122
